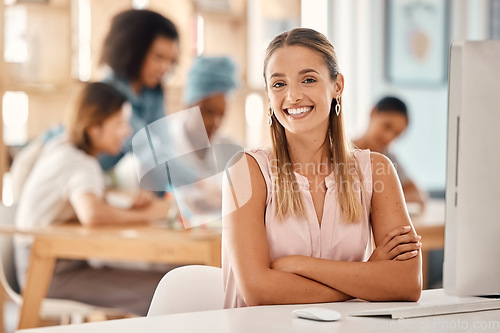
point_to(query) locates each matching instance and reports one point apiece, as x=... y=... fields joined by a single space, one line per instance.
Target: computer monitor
x=472 y=232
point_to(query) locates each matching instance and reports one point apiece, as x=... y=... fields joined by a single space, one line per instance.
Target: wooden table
x=430 y=225
x=131 y=243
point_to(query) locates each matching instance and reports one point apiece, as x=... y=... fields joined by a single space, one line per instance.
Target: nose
x=167 y=66
x=217 y=122
x=128 y=131
x=388 y=137
x=294 y=93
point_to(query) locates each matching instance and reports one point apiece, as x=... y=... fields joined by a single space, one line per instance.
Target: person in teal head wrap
x=209 y=83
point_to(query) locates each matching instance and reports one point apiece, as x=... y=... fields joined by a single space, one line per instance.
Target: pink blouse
x=334 y=239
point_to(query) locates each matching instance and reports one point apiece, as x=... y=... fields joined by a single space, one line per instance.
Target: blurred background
x=396 y=47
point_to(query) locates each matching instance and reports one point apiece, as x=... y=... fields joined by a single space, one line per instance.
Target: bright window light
x=7 y=195
x=82 y=60
x=15 y=112
x=254 y=112
x=140 y=4
x=200 y=35
x=84 y=40
x=16 y=47
x=314 y=15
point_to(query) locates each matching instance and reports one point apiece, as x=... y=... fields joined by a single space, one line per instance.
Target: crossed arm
x=392 y=273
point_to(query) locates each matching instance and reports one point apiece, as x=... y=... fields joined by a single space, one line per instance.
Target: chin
x=113 y=152
x=154 y=84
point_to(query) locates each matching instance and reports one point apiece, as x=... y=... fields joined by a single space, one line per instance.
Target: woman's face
x=160 y=58
x=300 y=90
x=212 y=111
x=109 y=136
x=384 y=128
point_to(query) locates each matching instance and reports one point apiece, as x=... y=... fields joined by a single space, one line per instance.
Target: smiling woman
x=304 y=235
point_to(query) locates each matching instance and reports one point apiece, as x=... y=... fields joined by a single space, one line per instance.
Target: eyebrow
x=308 y=70
x=302 y=72
x=277 y=75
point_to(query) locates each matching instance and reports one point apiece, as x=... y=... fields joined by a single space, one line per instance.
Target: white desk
x=280 y=319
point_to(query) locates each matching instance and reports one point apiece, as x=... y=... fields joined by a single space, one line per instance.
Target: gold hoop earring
x=270 y=116
x=338 y=108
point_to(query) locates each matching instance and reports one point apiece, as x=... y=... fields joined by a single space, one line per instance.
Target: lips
x=300 y=112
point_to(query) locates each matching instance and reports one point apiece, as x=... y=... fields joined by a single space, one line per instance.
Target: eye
x=309 y=80
x=278 y=84
x=208 y=112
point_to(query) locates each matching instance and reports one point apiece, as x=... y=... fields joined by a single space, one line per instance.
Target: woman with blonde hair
x=312 y=202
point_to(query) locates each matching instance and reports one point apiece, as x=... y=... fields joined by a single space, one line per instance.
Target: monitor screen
x=472 y=230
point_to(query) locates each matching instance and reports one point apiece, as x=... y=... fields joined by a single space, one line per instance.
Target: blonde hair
x=95 y=103
x=287 y=193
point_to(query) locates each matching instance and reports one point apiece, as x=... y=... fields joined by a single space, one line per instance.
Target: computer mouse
x=320 y=314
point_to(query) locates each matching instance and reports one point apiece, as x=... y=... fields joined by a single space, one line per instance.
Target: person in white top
x=67 y=183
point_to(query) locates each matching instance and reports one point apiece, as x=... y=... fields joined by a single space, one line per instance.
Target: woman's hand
x=397 y=245
x=158 y=208
x=143 y=199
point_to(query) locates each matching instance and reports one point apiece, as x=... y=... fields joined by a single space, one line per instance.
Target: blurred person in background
x=141 y=48
x=388 y=121
x=67 y=183
x=209 y=84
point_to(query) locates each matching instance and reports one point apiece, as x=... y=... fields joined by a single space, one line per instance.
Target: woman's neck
x=94 y=152
x=136 y=87
x=196 y=140
x=309 y=154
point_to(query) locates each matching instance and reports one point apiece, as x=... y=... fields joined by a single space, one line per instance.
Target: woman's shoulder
x=361 y=152
x=252 y=163
x=265 y=151
x=262 y=156
x=63 y=153
x=371 y=156
x=363 y=157
x=381 y=166
x=379 y=159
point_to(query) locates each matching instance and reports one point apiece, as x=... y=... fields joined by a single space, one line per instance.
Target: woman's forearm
x=106 y=214
x=91 y=210
x=277 y=287
x=387 y=280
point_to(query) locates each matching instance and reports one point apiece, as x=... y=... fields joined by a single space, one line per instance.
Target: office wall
x=358 y=31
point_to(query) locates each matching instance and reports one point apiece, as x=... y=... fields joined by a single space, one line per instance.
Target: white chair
x=58 y=310
x=188 y=289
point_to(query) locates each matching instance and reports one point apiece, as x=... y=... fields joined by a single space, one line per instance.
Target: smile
x=298 y=112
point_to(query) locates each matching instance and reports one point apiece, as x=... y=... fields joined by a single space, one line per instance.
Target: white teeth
x=299 y=110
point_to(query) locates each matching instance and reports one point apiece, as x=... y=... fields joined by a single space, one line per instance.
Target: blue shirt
x=147 y=107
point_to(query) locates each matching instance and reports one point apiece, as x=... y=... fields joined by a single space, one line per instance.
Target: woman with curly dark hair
x=140 y=48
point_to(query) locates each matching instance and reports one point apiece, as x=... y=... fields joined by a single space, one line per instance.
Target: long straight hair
x=286 y=191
